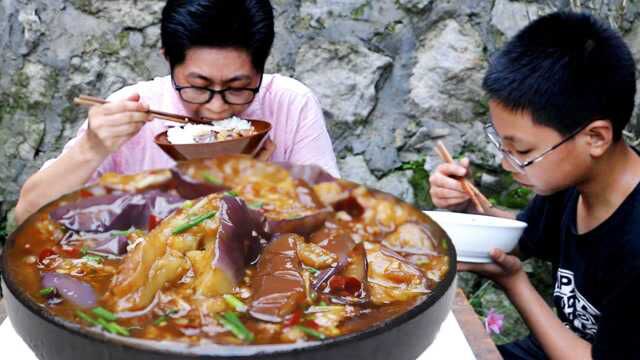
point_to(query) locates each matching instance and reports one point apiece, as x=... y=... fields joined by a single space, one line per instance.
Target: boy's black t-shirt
x=597 y=274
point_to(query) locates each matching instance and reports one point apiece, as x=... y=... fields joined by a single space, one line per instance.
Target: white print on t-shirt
x=582 y=315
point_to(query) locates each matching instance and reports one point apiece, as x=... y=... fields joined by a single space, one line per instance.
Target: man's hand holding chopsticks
x=112 y=124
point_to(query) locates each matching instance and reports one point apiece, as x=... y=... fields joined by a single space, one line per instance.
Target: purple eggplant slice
x=116 y=211
x=71 y=289
x=233 y=237
x=278 y=286
x=338 y=243
x=190 y=189
x=349 y=286
x=312 y=174
x=304 y=225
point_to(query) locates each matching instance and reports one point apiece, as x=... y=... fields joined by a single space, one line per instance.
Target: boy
x=216 y=51
x=561 y=92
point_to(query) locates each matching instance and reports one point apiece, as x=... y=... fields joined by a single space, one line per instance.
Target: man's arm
x=108 y=127
x=68 y=173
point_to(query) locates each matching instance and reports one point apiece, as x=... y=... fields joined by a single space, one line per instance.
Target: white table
x=450 y=343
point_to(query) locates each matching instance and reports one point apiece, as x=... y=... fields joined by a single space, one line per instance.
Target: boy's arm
x=557 y=341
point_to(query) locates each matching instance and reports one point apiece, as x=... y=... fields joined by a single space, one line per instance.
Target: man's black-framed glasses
x=202 y=95
x=520 y=166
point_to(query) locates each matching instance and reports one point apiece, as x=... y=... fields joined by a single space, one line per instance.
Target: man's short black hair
x=240 y=24
x=567 y=69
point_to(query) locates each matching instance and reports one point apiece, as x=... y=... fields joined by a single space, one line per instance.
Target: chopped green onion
x=256 y=204
x=235 y=302
x=120 y=330
x=86 y=318
x=122 y=232
x=47 y=291
x=182 y=321
x=193 y=222
x=232 y=323
x=84 y=251
x=187 y=204
x=112 y=327
x=161 y=320
x=313 y=271
x=172 y=311
x=211 y=179
x=104 y=313
x=311 y=332
x=231 y=193
x=93 y=258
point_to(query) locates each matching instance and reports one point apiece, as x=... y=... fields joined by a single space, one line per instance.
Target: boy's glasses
x=202 y=95
x=520 y=166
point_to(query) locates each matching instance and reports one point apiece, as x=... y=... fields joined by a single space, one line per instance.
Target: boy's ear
x=600 y=137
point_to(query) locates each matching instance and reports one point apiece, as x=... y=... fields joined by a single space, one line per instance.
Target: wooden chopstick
x=92 y=101
x=468 y=187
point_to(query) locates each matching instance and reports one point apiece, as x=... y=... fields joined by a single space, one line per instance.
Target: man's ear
x=599 y=137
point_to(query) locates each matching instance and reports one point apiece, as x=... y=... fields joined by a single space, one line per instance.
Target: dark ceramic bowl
x=248 y=145
x=403 y=337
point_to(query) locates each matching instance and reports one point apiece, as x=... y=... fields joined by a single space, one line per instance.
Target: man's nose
x=216 y=104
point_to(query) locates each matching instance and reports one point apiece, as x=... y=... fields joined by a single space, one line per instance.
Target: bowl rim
x=257 y=134
x=174 y=348
x=501 y=223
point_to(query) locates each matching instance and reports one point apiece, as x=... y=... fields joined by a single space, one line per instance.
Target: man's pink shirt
x=298 y=126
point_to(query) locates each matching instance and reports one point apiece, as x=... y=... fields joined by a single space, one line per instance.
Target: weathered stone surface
x=354 y=168
x=414 y=5
x=344 y=77
x=447 y=77
x=397 y=184
x=633 y=39
x=138 y=14
x=511 y=16
x=319 y=10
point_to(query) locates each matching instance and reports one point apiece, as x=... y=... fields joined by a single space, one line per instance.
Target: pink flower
x=493 y=322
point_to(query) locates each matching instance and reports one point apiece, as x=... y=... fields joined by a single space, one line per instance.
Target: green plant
x=419 y=182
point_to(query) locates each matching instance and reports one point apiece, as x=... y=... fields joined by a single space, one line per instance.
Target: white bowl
x=475 y=235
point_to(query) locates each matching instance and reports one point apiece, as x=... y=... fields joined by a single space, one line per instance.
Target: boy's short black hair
x=241 y=24
x=567 y=69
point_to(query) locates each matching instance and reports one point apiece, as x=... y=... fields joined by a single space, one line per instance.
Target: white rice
x=186 y=134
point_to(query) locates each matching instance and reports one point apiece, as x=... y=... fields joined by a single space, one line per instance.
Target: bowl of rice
x=202 y=141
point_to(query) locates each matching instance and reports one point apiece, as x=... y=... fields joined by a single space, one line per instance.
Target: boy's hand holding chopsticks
x=451 y=190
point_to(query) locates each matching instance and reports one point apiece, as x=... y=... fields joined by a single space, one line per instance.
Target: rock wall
x=392 y=75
